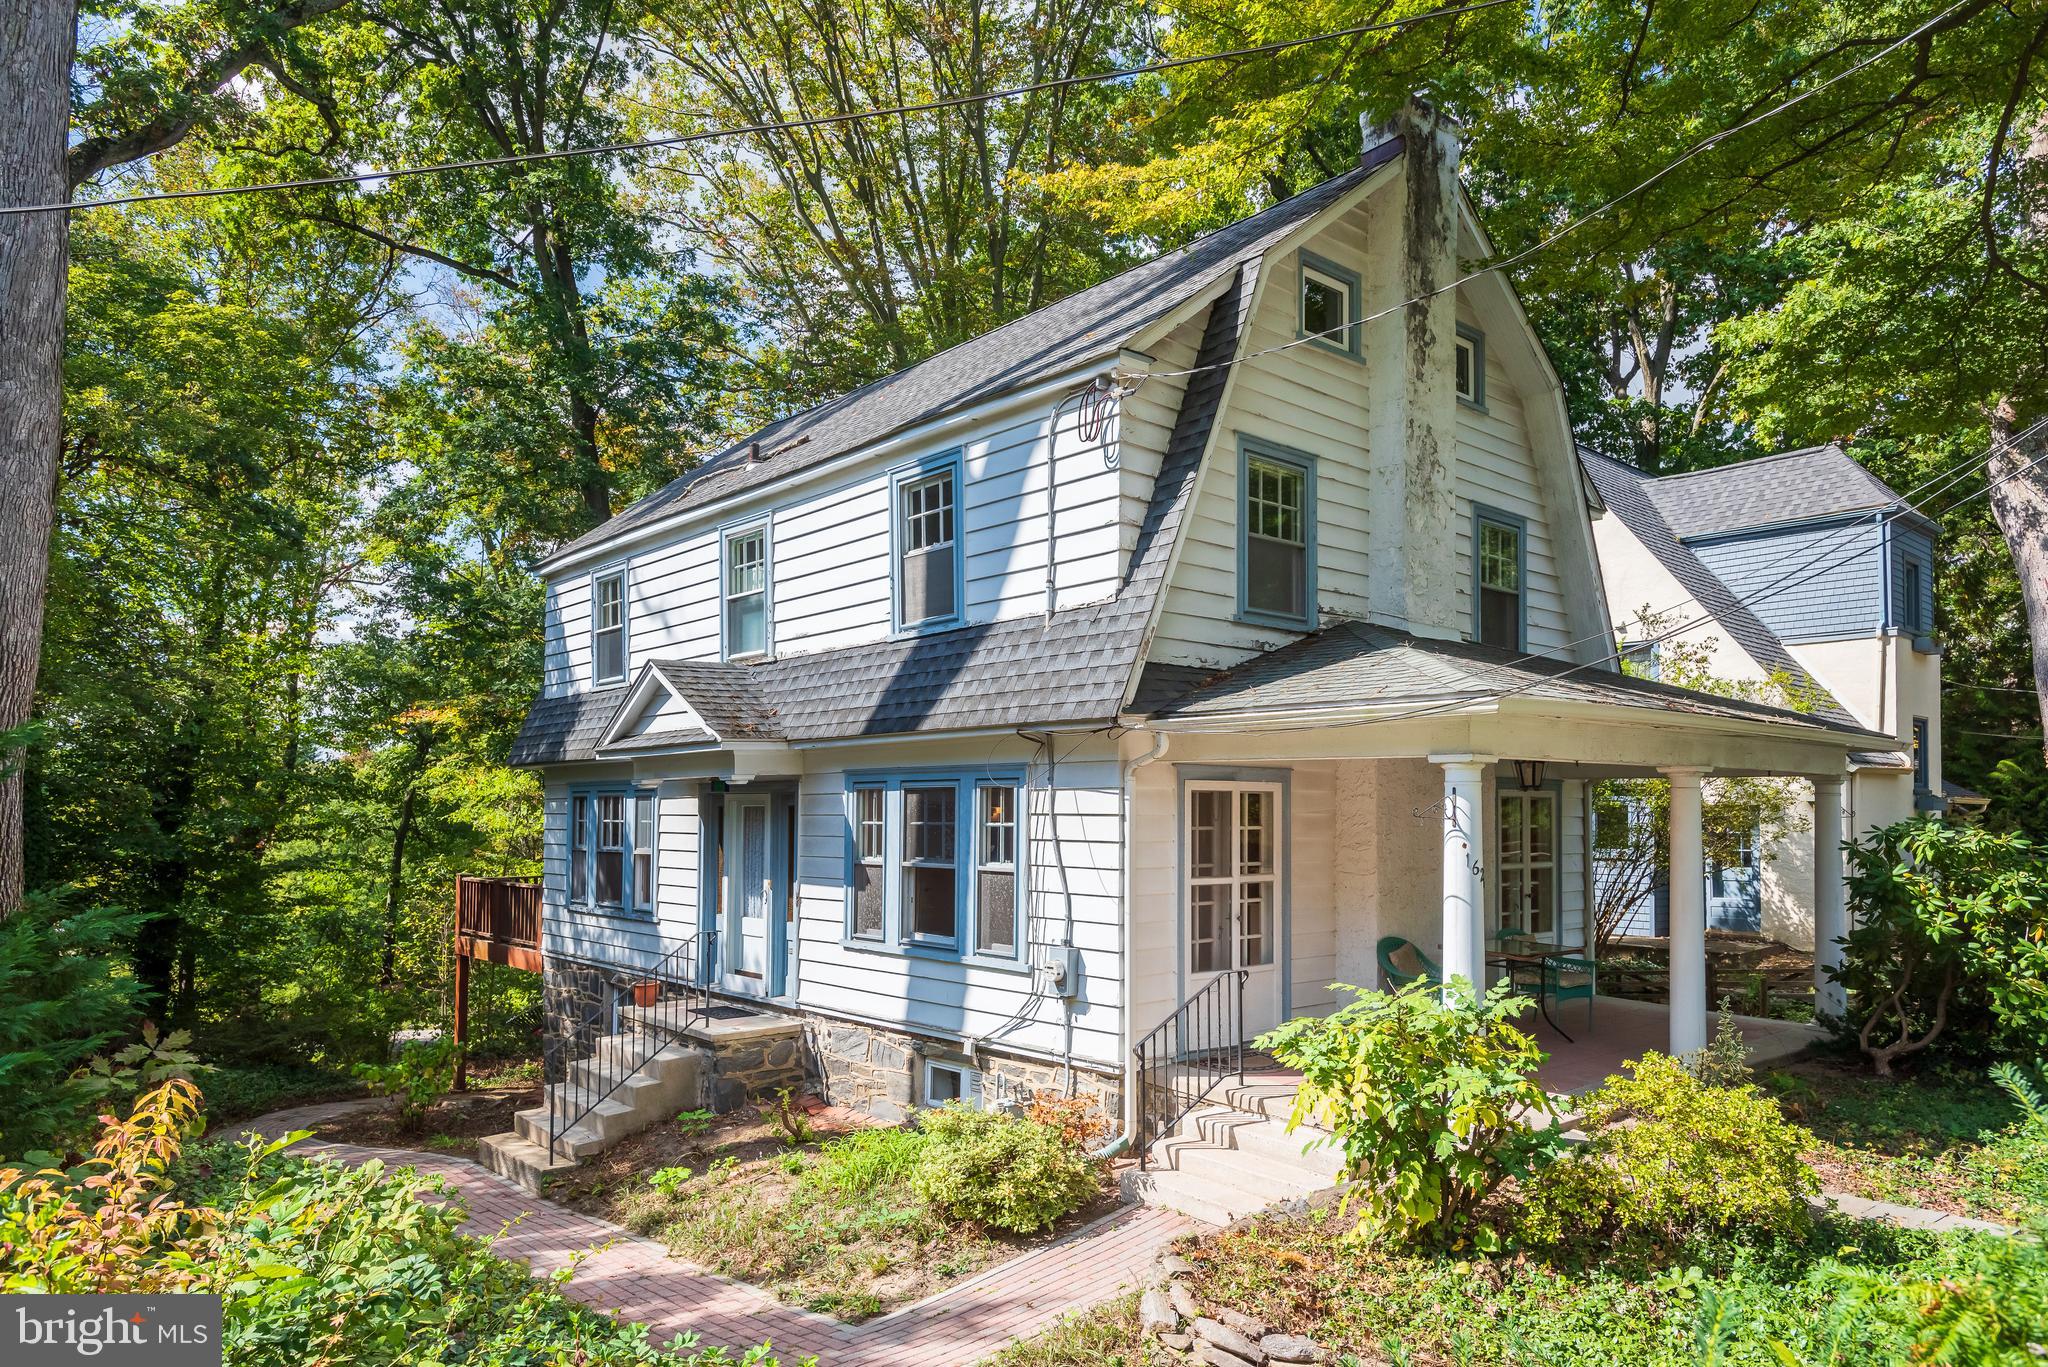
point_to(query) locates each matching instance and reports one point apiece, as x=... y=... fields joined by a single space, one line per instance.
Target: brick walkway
x=639 y=1278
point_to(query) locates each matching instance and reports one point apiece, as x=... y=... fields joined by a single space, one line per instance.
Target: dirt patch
x=452 y=1125
x=848 y=1240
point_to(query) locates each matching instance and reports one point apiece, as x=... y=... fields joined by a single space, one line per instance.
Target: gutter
x=1118 y=1145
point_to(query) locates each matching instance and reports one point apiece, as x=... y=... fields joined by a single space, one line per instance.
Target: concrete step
x=1192 y=1196
x=1225 y=1128
x=1254 y=1173
x=526 y=1165
x=579 y=1140
x=667 y=1085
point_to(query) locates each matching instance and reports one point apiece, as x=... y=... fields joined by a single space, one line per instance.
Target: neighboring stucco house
x=1802 y=568
x=1161 y=651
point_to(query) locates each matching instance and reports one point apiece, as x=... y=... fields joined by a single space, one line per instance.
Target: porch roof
x=1359 y=666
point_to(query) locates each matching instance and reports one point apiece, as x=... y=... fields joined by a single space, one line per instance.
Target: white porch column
x=1688 y=915
x=1830 y=902
x=1464 y=867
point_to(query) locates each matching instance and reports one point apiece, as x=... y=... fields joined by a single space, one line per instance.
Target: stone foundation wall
x=747 y=1070
x=881 y=1071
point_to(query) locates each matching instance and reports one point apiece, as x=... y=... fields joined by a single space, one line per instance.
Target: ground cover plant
x=850 y=1222
x=1946 y=1136
x=317 y=1260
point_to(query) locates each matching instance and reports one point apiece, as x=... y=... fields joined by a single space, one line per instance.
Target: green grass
x=1105 y=1337
x=238 y=1092
x=1947 y=1139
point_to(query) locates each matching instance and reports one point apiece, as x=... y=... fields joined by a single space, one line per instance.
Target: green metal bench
x=1402 y=962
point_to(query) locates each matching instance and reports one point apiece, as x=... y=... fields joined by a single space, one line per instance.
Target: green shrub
x=1669 y=1157
x=1432 y=1096
x=417 y=1076
x=669 y=1181
x=1003 y=1171
x=864 y=1160
x=1946 y=950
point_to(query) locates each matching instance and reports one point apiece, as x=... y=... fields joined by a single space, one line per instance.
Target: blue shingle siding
x=1818 y=582
x=1912 y=546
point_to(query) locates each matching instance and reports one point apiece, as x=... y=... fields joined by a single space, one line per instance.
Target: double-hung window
x=613 y=839
x=608 y=627
x=1276 y=532
x=935 y=862
x=1330 y=303
x=927 y=549
x=1499 y=576
x=746 y=592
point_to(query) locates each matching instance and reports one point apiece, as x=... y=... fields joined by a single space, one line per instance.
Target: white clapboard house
x=1114 y=683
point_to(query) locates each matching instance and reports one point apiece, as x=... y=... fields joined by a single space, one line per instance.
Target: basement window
x=944 y=1082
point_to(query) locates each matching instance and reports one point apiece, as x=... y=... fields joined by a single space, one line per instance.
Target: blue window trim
x=765 y=526
x=1481 y=515
x=621 y=569
x=911 y=474
x=1478 y=340
x=895 y=939
x=1255 y=448
x=1186 y=774
x=1923 y=758
x=625 y=907
x=1354 y=305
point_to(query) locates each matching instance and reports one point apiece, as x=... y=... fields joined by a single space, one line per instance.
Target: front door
x=749 y=895
x=1734 y=893
x=1233 y=893
x=1526 y=871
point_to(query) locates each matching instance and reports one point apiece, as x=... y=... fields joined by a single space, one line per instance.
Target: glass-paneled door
x=749 y=895
x=1233 y=892
x=1525 y=873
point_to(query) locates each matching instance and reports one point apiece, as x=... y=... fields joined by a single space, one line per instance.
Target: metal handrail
x=1187 y=1055
x=588 y=1054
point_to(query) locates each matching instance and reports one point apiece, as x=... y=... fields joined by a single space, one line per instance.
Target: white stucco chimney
x=1412 y=395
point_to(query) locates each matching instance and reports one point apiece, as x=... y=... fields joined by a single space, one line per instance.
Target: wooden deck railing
x=498 y=919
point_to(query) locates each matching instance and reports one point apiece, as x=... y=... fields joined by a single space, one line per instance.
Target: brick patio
x=638 y=1278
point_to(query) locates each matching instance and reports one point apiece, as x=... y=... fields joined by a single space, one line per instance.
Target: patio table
x=1520 y=963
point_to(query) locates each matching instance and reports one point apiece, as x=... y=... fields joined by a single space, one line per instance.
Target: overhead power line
x=773 y=126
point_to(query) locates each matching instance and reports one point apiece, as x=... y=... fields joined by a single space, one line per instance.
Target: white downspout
x=1160 y=740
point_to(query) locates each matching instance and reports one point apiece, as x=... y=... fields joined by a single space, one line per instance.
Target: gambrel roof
x=1093 y=324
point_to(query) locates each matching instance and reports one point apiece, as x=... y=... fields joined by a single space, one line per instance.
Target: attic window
x=1329 y=306
x=608 y=627
x=1470 y=349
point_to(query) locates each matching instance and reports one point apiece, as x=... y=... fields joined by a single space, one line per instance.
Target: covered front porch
x=1368 y=790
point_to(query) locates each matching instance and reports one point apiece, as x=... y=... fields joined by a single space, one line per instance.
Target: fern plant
x=2025 y=1090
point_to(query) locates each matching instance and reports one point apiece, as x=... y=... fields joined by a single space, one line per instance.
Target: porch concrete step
x=1222 y=1127
x=524 y=1164
x=1222 y=1164
x=663 y=1084
x=580 y=1140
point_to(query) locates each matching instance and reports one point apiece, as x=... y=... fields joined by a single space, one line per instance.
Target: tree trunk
x=422 y=744
x=36 y=40
x=2019 y=489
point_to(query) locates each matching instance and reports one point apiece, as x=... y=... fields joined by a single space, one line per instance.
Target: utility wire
x=774 y=126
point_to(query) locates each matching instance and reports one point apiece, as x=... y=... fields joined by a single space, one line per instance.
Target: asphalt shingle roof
x=1625 y=491
x=1074 y=667
x=1094 y=323
x=1793 y=486
x=1358 y=663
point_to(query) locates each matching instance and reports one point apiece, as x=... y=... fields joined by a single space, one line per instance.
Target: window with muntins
x=1233 y=876
x=1276 y=530
x=870 y=854
x=613 y=843
x=1498 y=547
x=746 y=592
x=935 y=863
x=927 y=571
x=608 y=627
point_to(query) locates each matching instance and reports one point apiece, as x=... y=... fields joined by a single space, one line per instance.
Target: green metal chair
x=1566 y=978
x=1401 y=963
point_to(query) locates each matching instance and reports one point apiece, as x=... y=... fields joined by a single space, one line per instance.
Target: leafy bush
x=1946 y=946
x=865 y=1160
x=1003 y=1171
x=1431 y=1094
x=317 y=1261
x=1671 y=1156
x=420 y=1072
x=669 y=1181
x=239 y=1092
x=61 y=1002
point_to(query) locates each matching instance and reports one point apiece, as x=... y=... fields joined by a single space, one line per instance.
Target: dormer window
x=927 y=549
x=1330 y=306
x=746 y=592
x=608 y=627
x=1499 y=576
x=1470 y=351
x=1909 y=614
